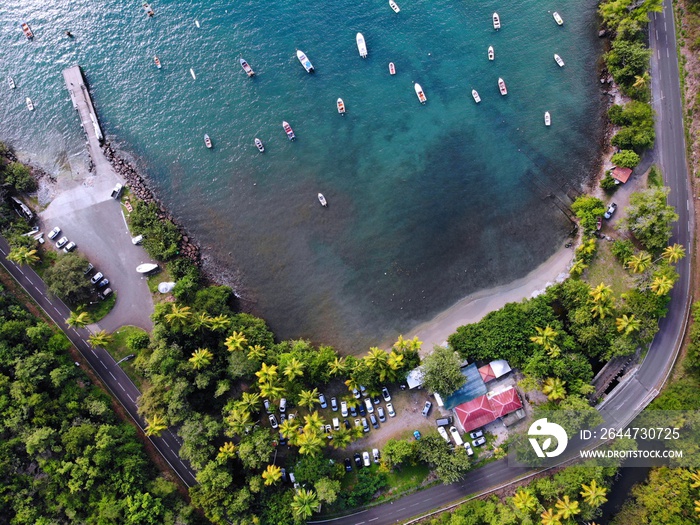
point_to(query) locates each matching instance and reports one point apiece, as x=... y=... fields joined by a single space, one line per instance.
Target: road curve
x=630 y=397
x=99 y=359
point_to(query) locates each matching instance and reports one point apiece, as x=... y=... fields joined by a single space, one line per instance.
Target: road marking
x=687 y=205
x=123 y=217
x=658 y=54
x=415 y=504
x=667 y=55
x=59 y=313
x=120 y=386
x=113 y=376
x=20 y=270
x=402 y=508
x=368 y=521
x=167 y=445
x=103 y=364
x=93 y=353
x=127 y=395
x=360 y=522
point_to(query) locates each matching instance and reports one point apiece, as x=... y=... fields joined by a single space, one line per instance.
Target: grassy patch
x=408 y=478
x=161 y=277
x=654 y=179
x=605 y=268
x=98 y=309
x=117 y=348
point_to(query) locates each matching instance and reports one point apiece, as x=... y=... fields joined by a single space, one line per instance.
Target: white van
x=336 y=424
x=283 y=405
x=443 y=433
x=456 y=437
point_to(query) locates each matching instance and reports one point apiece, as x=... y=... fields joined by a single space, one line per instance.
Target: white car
x=476 y=434
x=344 y=408
x=365 y=458
x=443 y=433
x=385 y=394
x=455 y=435
x=62 y=242
x=356 y=393
x=322 y=401
x=69 y=247
x=390 y=410
x=468 y=448
x=273 y=421
x=368 y=404
x=54 y=233
x=375 y=455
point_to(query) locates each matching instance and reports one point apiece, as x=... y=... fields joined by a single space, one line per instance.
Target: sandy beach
x=475 y=306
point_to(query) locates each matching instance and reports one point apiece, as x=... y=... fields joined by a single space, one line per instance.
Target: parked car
x=347 y=424
x=103 y=294
x=385 y=394
x=368 y=404
x=268 y=406
x=273 y=421
x=476 y=434
x=69 y=247
x=363 y=391
x=611 y=209
x=358 y=460
x=356 y=393
x=426 y=408
x=54 y=233
x=137 y=240
x=283 y=405
x=455 y=435
x=443 y=421
x=468 y=448
x=390 y=410
x=62 y=242
x=336 y=423
x=375 y=455
x=88 y=269
x=361 y=409
x=365 y=459
x=376 y=400
x=344 y=408
x=334 y=404
x=358 y=423
x=282 y=440
x=329 y=431
x=348 y=465
x=373 y=419
x=292 y=416
x=443 y=433
x=104 y=282
x=283 y=418
x=322 y=400
x=479 y=442
x=365 y=425
x=416 y=435
x=353 y=411
x=380 y=414
x=96 y=278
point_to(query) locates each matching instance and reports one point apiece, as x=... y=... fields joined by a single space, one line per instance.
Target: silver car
x=54 y=233
x=62 y=242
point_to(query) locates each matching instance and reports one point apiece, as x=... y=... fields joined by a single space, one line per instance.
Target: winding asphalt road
x=99 y=359
x=623 y=404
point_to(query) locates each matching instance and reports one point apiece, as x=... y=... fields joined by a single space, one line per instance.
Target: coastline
x=475 y=306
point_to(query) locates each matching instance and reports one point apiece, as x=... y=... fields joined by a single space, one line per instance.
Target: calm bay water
x=426 y=203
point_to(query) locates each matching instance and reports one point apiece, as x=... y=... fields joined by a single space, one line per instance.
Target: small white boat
x=249 y=70
x=392 y=68
x=322 y=200
x=305 y=61
x=558 y=60
x=557 y=18
x=491 y=53
x=547 y=118
x=11 y=82
x=30 y=104
x=27 y=31
x=476 y=96
x=288 y=130
x=196 y=22
x=146 y=267
x=496 y=22
x=394 y=6
x=207 y=141
x=194 y=77
x=419 y=93
x=361 y=46
x=502 y=87
x=148 y=9
x=341 y=106
x=259 y=144
x=157 y=61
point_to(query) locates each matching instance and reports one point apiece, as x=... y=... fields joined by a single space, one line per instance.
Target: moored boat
x=547 y=118
x=394 y=6
x=558 y=60
x=502 y=87
x=146 y=268
x=599 y=223
x=259 y=144
x=305 y=61
x=194 y=77
x=148 y=9
x=419 y=93
x=27 y=31
x=341 y=106
x=361 y=46
x=246 y=67
x=392 y=68
x=558 y=18
x=11 y=82
x=30 y=104
x=207 y=141
x=196 y=22
x=496 y=21
x=476 y=96
x=157 y=61
x=322 y=200
x=288 y=130
x=491 y=53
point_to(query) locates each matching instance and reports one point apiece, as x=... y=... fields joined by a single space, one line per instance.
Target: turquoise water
x=426 y=203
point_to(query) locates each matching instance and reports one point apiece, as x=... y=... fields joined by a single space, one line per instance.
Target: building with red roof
x=485 y=409
x=621 y=174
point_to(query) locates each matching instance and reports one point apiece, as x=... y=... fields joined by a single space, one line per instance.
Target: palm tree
x=587 y=247
x=312 y=422
x=545 y=336
x=78 y=319
x=342 y=438
x=304 y=504
x=554 y=388
x=550 y=518
x=695 y=476
x=271 y=390
x=662 y=284
x=628 y=324
x=601 y=309
x=310 y=443
x=266 y=373
x=202 y=320
x=395 y=360
x=155 y=425
x=594 y=494
x=308 y=398
x=578 y=267
x=226 y=451
x=567 y=509
x=357 y=432
x=237 y=421
x=640 y=81
x=220 y=322
x=272 y=475
x=601 y=293
x=352 y=384
x=250 y=401
x=256 y=352
x=674 y=253
x=101 y=338
x=294 y=369
x=525 y=501
x=376 y=359
x=178 y=316
x=697 y=506
x=23 y=256
x=288 y=429
x=640 y=262
x=337 y=367
x=201 y=358
x=235 y=341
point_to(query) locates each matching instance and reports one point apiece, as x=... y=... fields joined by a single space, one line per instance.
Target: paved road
x=630 y=397
x=99 y=359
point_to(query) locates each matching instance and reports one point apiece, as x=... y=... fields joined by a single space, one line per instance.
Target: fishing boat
x=492 y=53
x=557 y=18
x=207 y=141
x=259 y=144
x=558 y=60
x=392 y=68
x=502 y=87
x=394 y=6
x=146 y=268
x=305 y=61
x=30 y=104
x=476 y=96
x=496 y=22
x=196 y=22
x=149 y=10
x=157 y=61
x=341 y=106
x=194 y=77
x=288 y=130
x=361 y=46
x=419 y=93
x=547 y=119
x=599 y=223
x=247 y=68
x=11 y=82
x=27 y=31
x=322 y=200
